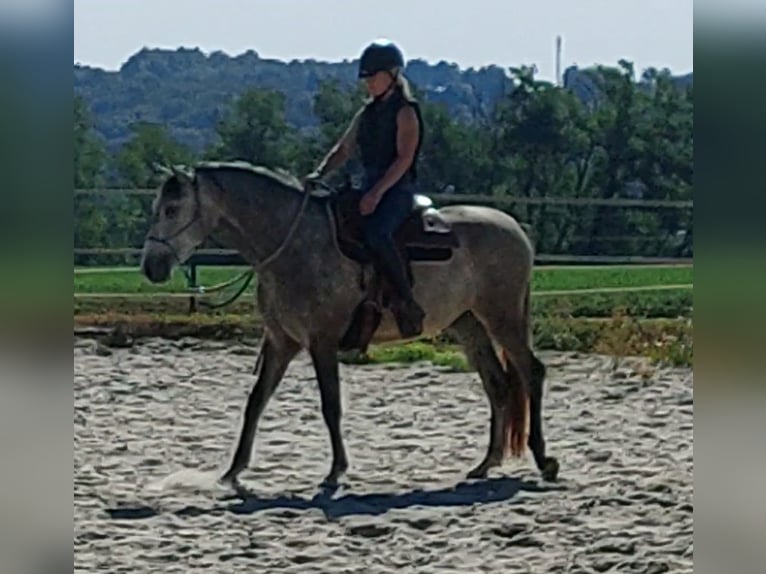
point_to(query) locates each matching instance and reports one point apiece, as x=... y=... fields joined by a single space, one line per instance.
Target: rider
x=387 y=133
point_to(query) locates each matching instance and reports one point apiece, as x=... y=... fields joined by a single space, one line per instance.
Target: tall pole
x=558 y=61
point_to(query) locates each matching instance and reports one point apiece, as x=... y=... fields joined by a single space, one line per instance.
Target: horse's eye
x=171 y=211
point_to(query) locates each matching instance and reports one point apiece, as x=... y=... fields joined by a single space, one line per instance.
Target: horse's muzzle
x=156 y=267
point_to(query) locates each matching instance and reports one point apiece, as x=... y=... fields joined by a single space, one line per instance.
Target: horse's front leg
x=276 y=355
x=325 y=359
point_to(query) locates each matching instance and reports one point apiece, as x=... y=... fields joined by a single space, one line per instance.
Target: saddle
x=424 y=236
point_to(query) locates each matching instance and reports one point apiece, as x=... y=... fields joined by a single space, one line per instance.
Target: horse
x=308 y=287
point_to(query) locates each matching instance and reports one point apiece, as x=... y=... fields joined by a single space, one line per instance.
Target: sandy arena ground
x=623 y=502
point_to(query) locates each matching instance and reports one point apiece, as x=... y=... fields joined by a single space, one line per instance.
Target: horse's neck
x=258 y=223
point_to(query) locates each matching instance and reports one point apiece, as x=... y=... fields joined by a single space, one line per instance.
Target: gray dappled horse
x=308 y=288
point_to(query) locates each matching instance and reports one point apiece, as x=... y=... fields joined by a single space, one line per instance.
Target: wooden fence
x=204 y=255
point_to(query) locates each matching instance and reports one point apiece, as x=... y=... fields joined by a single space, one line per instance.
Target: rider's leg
x=394 y=208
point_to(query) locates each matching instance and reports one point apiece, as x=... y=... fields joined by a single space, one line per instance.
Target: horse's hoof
x=332 y=480
x=550 y=469
x=329 y=486
x=329 y=480
x=238 y=490
x=478 y=472
x=230 y=479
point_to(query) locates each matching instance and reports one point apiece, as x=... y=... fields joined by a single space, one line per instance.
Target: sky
x=470 y=33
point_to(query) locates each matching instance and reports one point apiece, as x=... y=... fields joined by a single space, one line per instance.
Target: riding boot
x=408 y=313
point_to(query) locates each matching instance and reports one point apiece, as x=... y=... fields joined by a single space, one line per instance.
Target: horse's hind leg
x=275 y=356
x=481 y=355
x=549 y=466
x=525 y=373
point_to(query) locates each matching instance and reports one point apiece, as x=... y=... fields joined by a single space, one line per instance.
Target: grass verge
x=665 y=340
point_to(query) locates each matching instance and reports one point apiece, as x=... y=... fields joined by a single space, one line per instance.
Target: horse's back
x=478 y=219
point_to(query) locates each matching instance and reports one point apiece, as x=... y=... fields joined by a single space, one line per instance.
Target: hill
x=188 y=91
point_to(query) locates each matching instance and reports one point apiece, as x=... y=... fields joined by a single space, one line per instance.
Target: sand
x=155 y=422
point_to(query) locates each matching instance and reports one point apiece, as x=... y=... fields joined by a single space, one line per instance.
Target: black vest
x=376 y=133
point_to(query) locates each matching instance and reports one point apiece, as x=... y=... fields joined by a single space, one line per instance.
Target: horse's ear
x=161 y=169
x=182 y=173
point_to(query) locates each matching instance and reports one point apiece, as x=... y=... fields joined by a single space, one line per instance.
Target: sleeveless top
x=377 y=131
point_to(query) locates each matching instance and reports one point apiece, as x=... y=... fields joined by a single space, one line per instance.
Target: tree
x=334 y=107
x=255 y=130
x=453 y=153
x=89 y=155
x=624 y=138
x=150 y=144
x=543 y=146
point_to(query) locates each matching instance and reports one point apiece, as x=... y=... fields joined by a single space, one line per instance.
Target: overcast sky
x=471 y=33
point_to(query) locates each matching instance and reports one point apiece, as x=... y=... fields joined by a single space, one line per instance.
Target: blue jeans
x=379 y=227
x=393 y=209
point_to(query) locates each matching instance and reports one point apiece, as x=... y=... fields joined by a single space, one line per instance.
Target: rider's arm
x=342 y=151
x=408 y=135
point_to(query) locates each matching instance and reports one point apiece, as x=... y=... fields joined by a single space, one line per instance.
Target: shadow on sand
x=463 y=494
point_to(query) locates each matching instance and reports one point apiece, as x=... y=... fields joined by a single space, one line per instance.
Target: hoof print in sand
x=370 y=530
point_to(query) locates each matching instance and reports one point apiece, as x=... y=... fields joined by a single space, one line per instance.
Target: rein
x=258 y=267
x=273 y=257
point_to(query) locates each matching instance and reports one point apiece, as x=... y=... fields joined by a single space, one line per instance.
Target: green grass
x=647 y=304
x=567 y=278
x=656 y=324
x=439 y=354
x=130 y=280
x=668 y=341
x=545 y=279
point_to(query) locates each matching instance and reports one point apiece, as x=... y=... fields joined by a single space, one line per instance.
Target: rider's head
x=381 y=66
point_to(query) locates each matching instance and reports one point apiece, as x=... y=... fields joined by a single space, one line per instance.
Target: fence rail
x=541 y=258
x=137 y=251
x=670 y=246
x=481 y=199
x=551 y=293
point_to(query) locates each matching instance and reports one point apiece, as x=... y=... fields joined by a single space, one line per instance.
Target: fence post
x=192 y=285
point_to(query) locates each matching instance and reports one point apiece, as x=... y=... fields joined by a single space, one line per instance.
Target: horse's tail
x=518 y=366
x=515 y=409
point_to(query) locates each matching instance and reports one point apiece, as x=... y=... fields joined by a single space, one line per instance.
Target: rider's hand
x=311 y=179
x=369 y=202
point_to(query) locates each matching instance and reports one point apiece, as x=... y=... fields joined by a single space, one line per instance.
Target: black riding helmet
x=380 y=56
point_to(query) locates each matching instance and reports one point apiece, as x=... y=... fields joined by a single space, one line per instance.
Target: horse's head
x=179 y=225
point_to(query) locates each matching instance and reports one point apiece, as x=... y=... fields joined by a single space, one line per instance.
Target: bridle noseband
x=196 y=216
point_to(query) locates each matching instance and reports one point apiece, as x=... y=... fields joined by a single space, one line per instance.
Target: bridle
x=197 y=216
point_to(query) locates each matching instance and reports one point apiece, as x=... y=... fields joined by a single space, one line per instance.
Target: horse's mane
x=278 y=175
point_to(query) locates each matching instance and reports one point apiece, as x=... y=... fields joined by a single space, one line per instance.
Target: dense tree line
x=631 y=138
x=189 y=91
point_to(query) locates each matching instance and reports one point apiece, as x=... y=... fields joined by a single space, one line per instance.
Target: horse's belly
x=445 y=291
x=388 y=331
